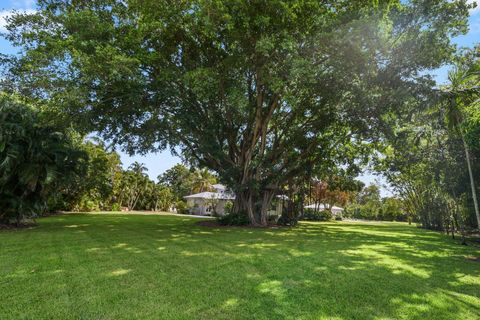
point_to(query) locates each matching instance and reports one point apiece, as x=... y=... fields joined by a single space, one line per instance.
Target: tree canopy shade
x=257 y=91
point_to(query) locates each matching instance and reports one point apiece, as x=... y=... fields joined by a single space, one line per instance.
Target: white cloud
x=6 y=13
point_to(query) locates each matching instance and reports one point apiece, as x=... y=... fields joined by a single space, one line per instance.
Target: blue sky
x=158 y=163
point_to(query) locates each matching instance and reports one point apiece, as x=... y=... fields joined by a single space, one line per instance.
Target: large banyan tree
x=258 y=91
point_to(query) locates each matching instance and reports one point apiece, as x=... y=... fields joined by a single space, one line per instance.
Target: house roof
x=322 y=207
x=219 y=186
x=211 y=195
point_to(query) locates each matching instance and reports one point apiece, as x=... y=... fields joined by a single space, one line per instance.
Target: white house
x=334 y=209
x=209 y=203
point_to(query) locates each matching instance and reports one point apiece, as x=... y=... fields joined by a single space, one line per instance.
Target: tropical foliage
x=45 y=168
x=95 y=187
x=433 y=162
x=36 y=160
x=183 y=181
x=137 y=192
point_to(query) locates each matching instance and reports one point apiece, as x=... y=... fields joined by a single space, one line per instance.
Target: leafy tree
x=369 y=194
x=255 y=91
x=162 y=198
x=464 y=92
x=425 y=165
x=392 y=209
x=179 y=179
x=431 y=161
x=318 y=193
x=368 y=203
x=35 y=161
x=95 y=188
x=331 y=193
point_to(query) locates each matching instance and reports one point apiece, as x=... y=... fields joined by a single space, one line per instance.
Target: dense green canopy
x=35 y=159
x=432 y=161
x=258 y=91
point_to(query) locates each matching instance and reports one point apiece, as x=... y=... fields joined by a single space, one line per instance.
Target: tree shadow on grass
x=167 y=267
x=357 y=271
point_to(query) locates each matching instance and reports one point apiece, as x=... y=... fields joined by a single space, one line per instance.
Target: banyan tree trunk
x=266 y=201
x=255 y=205
x=244 y=205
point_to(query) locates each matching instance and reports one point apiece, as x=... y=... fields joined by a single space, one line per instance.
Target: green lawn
x=165 y=267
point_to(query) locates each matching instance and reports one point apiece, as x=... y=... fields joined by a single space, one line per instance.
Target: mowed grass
x=116 y=266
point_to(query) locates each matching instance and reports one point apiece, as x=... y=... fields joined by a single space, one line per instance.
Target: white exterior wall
x=336 y=211
x=196 y=206
x=203 y=207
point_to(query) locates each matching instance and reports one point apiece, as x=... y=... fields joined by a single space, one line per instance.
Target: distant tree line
x=357 y=200
x=369 y=205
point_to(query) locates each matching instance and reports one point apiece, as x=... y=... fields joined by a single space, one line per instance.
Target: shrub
x=272 y=219
x=313 y=215
x=287 y=220
x=88 y=205
x=228 y=208
x=116 y=207
x=233 y=219
x=181 y=207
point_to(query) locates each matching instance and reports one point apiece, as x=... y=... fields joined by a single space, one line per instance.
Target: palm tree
x=203 y=180
x=464 y=90
x=134 y=185
x=138 y=168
